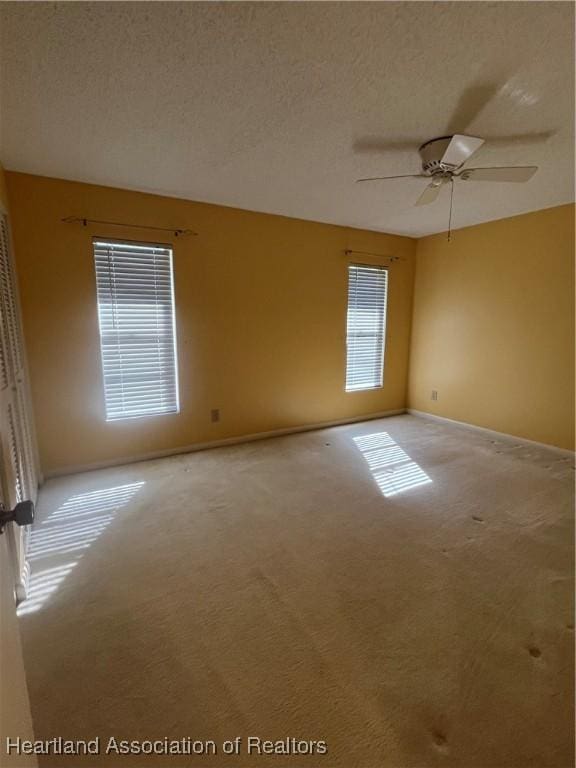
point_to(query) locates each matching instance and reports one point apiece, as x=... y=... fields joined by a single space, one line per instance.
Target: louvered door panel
x=19 y=467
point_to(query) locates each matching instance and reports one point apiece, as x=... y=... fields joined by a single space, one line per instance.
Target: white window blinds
x=135 y=291
x=366 y=326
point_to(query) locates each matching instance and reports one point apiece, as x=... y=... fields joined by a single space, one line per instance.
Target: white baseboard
x=238 y=440
x=501 y=435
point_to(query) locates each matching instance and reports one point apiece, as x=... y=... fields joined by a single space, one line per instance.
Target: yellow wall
x=493 y=326
x=260 y=305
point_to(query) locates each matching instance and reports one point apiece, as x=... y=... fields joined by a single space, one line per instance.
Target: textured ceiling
x=279 y=107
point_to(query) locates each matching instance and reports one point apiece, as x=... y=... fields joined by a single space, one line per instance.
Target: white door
x=18 y=482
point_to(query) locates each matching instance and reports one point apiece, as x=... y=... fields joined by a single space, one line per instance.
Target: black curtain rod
x=176 y=231
x=349 y=252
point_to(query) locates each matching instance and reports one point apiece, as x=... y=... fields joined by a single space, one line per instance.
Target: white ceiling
x=279 y=107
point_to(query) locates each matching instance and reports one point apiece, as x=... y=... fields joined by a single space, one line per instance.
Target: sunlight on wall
x=392 y=468
x=60 y=541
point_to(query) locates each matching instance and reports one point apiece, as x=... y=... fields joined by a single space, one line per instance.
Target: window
x=135 y=291
x=366 y=326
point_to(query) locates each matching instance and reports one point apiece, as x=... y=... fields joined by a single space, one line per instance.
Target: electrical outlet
x=215 y=415
x=434 y=394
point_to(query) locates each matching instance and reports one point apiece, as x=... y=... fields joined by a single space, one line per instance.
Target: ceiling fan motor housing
x=432 y=153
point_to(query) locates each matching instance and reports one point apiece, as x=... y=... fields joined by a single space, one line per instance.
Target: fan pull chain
x=450 y=215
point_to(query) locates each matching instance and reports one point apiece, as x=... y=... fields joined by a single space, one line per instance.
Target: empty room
x=287 y=384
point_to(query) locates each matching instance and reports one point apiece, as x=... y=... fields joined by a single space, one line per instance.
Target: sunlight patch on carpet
x=391 y=467
x=60 y=541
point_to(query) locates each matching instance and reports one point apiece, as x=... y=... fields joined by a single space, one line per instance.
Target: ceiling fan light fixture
x=443 y=160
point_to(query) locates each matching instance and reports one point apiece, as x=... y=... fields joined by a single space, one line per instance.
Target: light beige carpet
x=400 y=589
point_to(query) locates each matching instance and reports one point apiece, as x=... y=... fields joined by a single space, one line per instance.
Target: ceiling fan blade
x=471 y=103
x=375 y=144
x=405 y=176
x=510 y=173
x=429 y=195
x=513 y=139
x=460 y=149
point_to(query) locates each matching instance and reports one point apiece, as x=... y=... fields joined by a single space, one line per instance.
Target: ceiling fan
x=443 y=162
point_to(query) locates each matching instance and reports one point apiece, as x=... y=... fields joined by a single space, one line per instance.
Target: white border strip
x=220 y=443
x=505 y=435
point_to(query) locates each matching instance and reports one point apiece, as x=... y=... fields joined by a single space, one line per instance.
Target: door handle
x=22 y=514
